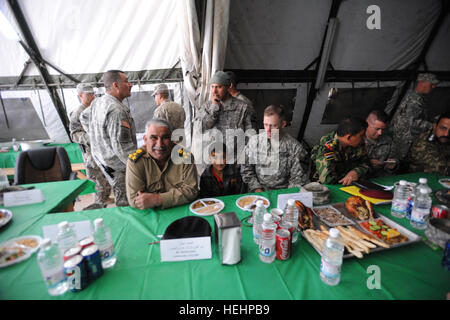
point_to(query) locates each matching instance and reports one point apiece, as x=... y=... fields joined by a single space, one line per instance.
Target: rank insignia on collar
x=330 y=145
x=183 y=154
x=136 y=155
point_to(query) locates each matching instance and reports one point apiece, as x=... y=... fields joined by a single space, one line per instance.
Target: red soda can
x=86 y=242
x=72 y=252
x=286 y=225
x=440 y=211
x=276 y=220
x=283 y=244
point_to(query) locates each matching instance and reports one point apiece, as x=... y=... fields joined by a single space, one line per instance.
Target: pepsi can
x=86 y=242
x=75 y=271
x=93 y=262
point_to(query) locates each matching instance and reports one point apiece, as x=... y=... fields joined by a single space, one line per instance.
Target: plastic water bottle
x=50 y=261
x=258 y=216
x=291 y=215
x=400 y=200
x=67 y=238
x=15 y=145
x=267 y=240
x=104 y=242
x=415 y=194
x=4 y=183
x=332 y=252
x=421 y=209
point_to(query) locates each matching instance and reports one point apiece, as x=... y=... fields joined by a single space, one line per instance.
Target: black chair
x=45 y=164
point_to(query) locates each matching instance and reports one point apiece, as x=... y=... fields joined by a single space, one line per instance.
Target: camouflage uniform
x=332 y=162
x=280 y=166
x=408 y=122
x=80 y=136
x=172 y=112
x=112 y=133
x=429 y=156
x=177 y=184
x=381 y=149
x=240 y=96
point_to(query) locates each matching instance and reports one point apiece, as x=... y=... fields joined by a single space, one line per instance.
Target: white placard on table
x=20 y=198
x=82 y=229
x=305 y=197
x=186 y=249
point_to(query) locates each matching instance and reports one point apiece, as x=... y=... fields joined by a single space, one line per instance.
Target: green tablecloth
x=410 y=272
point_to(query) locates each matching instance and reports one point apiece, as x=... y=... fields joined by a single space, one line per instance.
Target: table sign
x=82 y=229
x=20 y=198
x=305 y=197
x=186 y=249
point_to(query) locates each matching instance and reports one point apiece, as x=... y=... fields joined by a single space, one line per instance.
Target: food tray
x=5 y=217
x=206 y=206
x=445 y=183
x=344 y=220
x=26 y=251
x=412 y=237
x=250 y=202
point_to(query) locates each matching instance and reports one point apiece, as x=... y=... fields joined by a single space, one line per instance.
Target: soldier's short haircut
x=380 y=115
x=277 y=110
x=443 y=115
x=110 y=77
x=351 y=125
x=218 y=147
x=158 y=122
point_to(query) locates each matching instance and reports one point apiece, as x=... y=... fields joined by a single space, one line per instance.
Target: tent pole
x=33 y=51
x=4 y=110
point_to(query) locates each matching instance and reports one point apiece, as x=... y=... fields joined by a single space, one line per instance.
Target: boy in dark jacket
x=220 y=178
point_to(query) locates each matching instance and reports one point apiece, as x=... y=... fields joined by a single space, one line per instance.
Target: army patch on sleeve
x=329 y=156
x=136 y=155
x=125 y=124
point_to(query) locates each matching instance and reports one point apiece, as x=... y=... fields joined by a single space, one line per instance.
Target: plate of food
x=384 y=231
x=248 y=203
x=5 y=217
x=359 y=208
x=207 y=206
x=331 y=216
x=445 y=183
x=18 y=249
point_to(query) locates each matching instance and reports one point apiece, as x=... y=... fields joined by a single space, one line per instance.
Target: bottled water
x=4 y=183
x=415 y=194
x=332 y=252
x=291 y=215
x=421 y=209
x=400 y=200
x=51 y=262
x=104 y=242
x=67 y=238
x=267 y=240
x=258 y=216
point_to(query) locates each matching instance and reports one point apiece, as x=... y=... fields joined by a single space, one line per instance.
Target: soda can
x=276 y=220
x=287 y=225
x=72 y=252
x=93 y=261
x=86 y=242
x=283 y=244
x=440 y=211
x=276 y=212
x=76 y=273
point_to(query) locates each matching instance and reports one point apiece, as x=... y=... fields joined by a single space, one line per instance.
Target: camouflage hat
x=431 y=78
x=161 y=88
x=85 y=87
x=220 y=78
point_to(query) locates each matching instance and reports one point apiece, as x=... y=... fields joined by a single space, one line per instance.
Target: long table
x=410 y=272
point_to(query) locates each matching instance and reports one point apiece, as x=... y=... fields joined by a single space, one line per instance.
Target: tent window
x=357 y=102
x=20 y=114
x=142 y=106
x=439 y=101
x=262 y=98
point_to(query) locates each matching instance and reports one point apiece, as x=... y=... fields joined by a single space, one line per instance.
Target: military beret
x=431 y=78
x=221 y=78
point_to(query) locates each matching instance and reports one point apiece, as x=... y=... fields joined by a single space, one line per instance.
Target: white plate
x=445 y=183
x=248 y=206
x=207 y=209
x=7 y=216
x=28 y=252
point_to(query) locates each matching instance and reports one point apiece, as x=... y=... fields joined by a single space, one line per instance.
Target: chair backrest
x=45 y=164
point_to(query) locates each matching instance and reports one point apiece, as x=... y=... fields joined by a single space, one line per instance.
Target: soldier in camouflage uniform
x=379 y=145
x=340 y=156
x=112 y=132
x=431 y=150
x=273 y=158
x=411 y=118
x=234 y=91
x=80 y=136
x=167 y=109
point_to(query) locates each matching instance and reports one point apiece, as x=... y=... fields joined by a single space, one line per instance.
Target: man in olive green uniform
x=431 y=151
x=80 y=136
x=158 y=177
x=167 y=109
x=340 y=156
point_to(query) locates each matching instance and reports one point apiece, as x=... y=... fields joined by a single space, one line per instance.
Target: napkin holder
x=228 y=234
